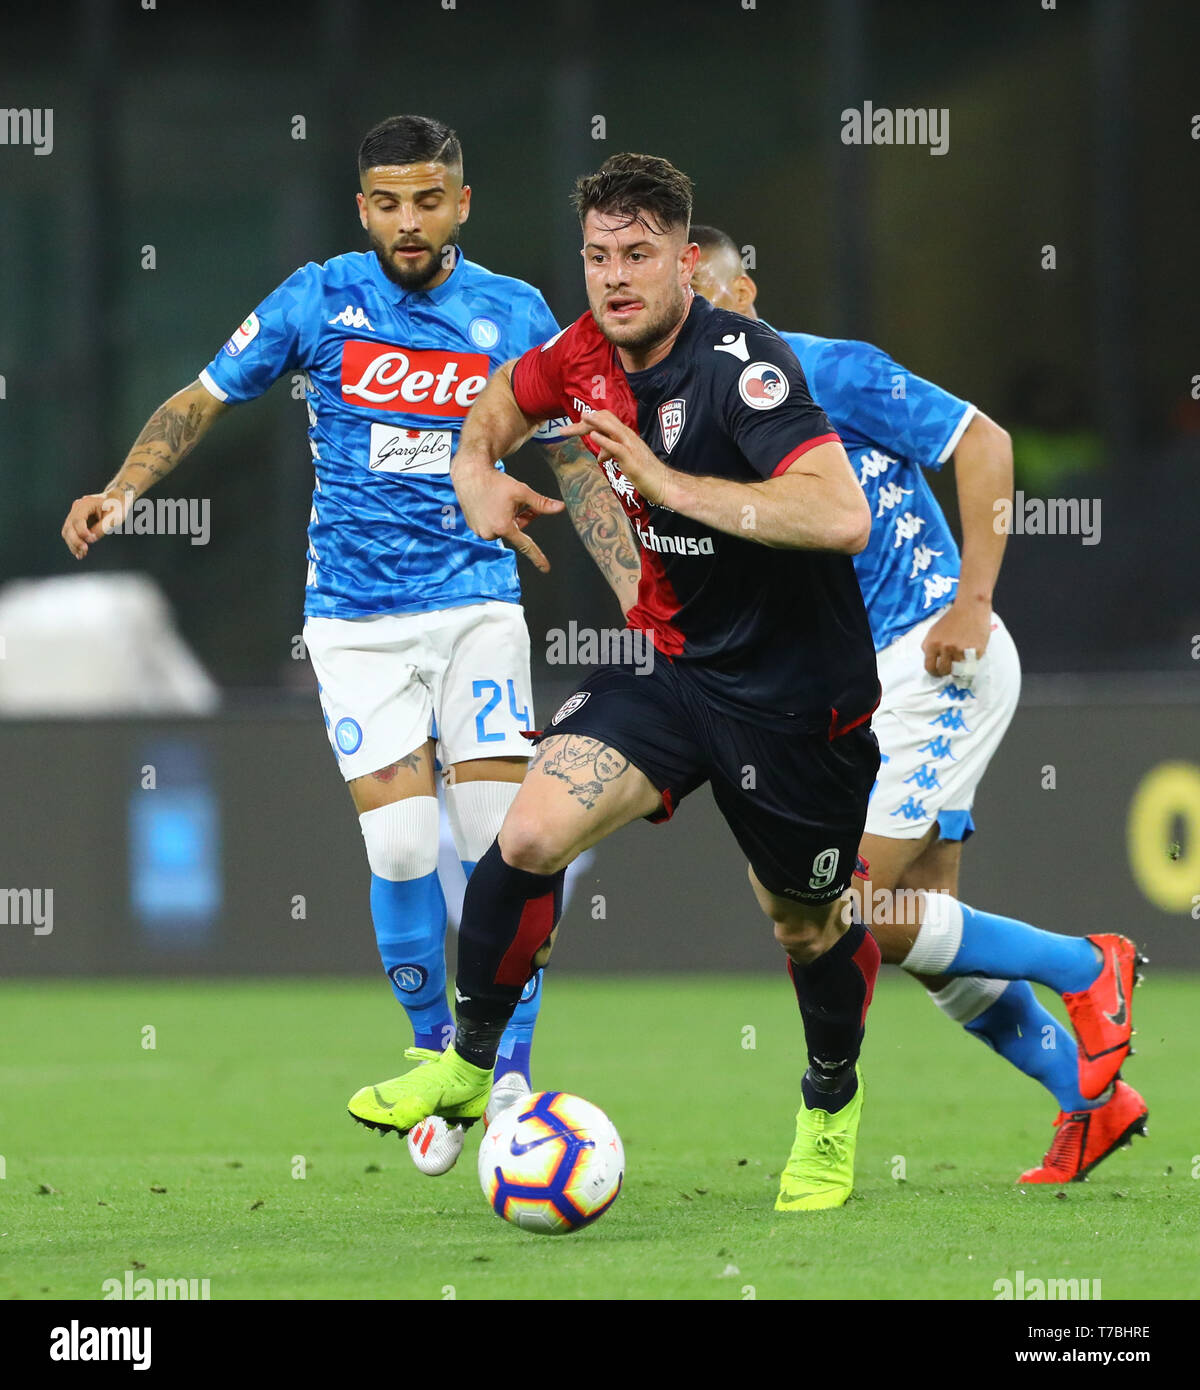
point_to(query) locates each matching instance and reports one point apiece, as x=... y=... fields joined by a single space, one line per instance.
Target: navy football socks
x=834 y=992
x=508 y=915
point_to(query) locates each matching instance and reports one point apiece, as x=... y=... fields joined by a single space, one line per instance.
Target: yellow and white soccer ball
x=551 y=1163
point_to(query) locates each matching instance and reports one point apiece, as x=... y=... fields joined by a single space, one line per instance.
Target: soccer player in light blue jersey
x=413 y=623
x=951 y=680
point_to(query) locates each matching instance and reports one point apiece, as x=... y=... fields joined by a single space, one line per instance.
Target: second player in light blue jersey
x=896 y=425
x=389 y=373
x=412 y=622
x=951 y=679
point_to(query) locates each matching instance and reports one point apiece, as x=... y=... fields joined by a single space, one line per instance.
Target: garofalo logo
x=24 y=125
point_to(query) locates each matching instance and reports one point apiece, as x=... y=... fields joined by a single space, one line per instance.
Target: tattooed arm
x=495 y=504
x=168 y=436
x=598 y=518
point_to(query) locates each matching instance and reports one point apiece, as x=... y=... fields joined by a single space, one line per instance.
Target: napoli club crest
x=349 y=735
x=763 y=386
x=408 y=978
x=671 y=415
x=484 y=333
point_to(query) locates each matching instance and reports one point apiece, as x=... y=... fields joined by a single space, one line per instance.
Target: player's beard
x=646 y=334
x=414 y=277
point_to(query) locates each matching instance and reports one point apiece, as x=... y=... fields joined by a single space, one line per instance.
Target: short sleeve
x=766 y=405
x=538 y=325
x=541 y=326
x=899 y=411
x=272 y=340
x=537 y=379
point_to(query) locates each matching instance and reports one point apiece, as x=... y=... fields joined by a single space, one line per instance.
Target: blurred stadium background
x=177 y=195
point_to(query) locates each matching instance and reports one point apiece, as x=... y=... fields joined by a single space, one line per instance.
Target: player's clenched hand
x=89 y=519
x=495 y=504
x=960 y=636
x=616 y=441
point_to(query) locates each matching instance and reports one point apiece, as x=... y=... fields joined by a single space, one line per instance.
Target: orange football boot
x=1087 y=1137
x=1101 y=1014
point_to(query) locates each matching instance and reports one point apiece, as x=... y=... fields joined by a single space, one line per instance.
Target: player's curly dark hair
x=409 y=140
x=641 y=187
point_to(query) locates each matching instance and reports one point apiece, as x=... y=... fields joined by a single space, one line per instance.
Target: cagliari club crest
x=571 y=705
x=671 y=415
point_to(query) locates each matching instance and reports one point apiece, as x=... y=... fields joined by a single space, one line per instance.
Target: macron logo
x=736 y=347
x=352 y=316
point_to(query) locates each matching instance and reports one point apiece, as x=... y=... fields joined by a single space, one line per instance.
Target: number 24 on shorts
x=496 y=694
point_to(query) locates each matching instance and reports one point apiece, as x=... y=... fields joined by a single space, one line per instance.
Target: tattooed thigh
x=411 y=775
x=586 y=765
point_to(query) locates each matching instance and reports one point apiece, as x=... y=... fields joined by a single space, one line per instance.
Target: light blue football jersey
x=893 y=424
x=389 y=377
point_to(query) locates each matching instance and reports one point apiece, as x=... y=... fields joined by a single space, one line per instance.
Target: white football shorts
x=390 y=681
x=937 y=734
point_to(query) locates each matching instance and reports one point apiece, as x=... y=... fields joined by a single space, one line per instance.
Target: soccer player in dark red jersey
x=951 y=680
x=747 y=513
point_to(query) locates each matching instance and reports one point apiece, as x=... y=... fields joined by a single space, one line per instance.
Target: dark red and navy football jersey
x=765 y=631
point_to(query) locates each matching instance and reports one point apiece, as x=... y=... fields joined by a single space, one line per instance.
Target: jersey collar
x=449 y=287
x=699 y=310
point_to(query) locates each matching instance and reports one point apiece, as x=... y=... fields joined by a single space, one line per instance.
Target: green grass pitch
x=182 y=1160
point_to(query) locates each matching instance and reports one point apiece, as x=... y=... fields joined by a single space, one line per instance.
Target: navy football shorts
x=796 y=802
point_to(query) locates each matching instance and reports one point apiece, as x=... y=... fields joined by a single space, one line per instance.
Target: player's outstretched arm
x=983 y=473
x=169 y=434
x=598 y=519
x=495 y=504
x=816 y=505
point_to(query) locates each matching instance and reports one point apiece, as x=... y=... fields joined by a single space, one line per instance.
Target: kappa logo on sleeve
x=244 y=336
x=763 y=386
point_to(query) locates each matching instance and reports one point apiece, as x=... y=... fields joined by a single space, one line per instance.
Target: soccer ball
x=551 y=1163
